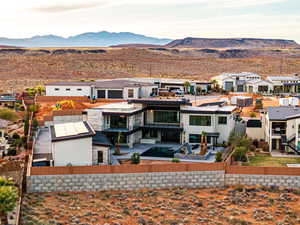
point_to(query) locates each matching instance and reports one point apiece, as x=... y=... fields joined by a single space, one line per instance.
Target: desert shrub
x=175 y=160
x=16 y=136
x=252 y=114
x=219 y=157
x=11 y=152
x=239 y=154
x=252 y=148
x=135 y=158
x=7 y=114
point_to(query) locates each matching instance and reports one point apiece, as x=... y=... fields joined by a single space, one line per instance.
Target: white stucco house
x=282 y=128
x=235 y=81
x=102 y=89
x=285 y=84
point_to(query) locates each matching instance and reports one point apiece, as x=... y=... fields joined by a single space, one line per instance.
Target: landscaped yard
x=265 y=160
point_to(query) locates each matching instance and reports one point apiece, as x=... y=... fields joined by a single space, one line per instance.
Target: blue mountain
x=90 y=39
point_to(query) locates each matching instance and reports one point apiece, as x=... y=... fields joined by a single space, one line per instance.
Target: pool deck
x=141 y=148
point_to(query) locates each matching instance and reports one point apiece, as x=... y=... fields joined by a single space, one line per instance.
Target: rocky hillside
x=231 y=43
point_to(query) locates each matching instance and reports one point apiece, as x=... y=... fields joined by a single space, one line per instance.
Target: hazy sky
x=159 y=18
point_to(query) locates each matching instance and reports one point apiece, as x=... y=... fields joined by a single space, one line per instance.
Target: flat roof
x=209 y=109
x=68 y=131
x=120 y=107
x=283 y=78
x=283 y=112
x=161 y=101
x=114 y=83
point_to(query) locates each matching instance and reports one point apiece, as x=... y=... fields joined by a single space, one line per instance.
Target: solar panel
x=70 y=129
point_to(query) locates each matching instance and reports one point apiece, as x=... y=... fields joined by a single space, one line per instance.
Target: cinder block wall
x=125 y=181
x=264 y=180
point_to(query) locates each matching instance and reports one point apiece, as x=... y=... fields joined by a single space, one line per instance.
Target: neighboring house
x=235 y=81
x=3 y=130
x=71 y=144
x=162 y=121
x=259 y=86
x=7 y=100
x=285 y=84
x=105 y=89
x=282 y=128
x=171 y=84
x=254 y=129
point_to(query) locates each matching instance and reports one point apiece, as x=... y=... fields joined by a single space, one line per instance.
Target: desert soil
x=22 y=71
x=235 y=205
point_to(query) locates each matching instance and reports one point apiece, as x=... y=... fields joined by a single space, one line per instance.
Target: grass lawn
x=263 y=160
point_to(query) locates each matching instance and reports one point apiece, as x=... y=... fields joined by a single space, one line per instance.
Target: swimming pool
x=156 y=151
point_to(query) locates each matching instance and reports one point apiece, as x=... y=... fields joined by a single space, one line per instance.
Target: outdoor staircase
x=290 y=142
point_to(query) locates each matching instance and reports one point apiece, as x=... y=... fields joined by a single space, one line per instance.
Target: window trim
x=219 y=123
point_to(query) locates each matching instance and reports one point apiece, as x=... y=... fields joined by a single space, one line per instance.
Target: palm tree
x=186 y=86
x=203 y=143
x=8 y=198
x=117 y=145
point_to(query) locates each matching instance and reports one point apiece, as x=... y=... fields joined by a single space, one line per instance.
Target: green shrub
x=239 y=154
x=7 y=114
x=175 y=160
x=12 y=152
x=16 y=136
x=135 y=158
x=219 y=157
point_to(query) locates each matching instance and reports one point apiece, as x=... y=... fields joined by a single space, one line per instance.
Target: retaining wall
x=125 y=181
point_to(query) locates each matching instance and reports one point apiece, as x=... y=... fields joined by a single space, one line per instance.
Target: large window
x=118 y=122
x=100 y=157
x=166 y=117
x=200 y=120
x=263 y=88
x=222 y=120
x=196 y=138
x=130 y=93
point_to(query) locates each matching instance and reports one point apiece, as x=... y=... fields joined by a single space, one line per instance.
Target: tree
x=26 y=125
x=135 y=158
x=8 y=198
x=187 y=86
x=40 y=90
x=198 y=90
x=219 y=157
x=239 y=154
x=117 y=145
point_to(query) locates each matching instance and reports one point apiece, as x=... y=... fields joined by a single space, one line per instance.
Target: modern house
x=235 y=81
x=282 y=128
x=285 y=84
x=171 y=84
x=153 y=121
x=105 y=89
x=3 y=130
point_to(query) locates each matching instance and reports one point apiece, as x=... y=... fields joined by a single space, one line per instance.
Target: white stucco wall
x=78 y=152
x=85 y=91
x=146 y=91
x=95 y=118
x=224 y=130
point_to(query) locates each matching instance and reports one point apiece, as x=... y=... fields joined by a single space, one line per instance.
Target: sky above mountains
x=159 y=18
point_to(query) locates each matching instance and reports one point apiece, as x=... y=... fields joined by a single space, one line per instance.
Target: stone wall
x=125 y=181
x=264 y=180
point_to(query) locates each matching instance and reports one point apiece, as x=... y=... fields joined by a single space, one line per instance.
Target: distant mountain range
x=230 y=43
x=91 y=39
x=131 y=40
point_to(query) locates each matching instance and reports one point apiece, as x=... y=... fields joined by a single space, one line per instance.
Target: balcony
x=278 y=132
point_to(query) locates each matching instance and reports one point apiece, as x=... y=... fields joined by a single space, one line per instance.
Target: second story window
x=79 y=89
x=56 y=89
x=130 y=93
x=200 y=120
x=68 y=89
x=222 y=120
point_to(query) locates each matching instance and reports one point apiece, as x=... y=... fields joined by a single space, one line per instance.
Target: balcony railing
x=278 y=132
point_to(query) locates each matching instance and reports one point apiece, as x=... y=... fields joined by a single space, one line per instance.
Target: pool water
x=166 y=152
